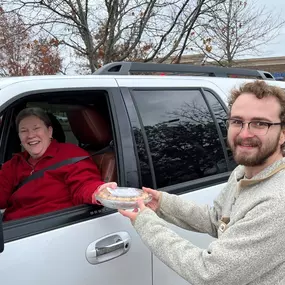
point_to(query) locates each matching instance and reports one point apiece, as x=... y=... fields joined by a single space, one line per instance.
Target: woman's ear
x=50 y=131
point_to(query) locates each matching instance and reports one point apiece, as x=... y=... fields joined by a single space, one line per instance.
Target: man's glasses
x=258 y=128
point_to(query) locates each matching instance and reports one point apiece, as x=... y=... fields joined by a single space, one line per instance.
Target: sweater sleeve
x=83 y=178
x=246 y=250
x=7 y=178
x=193 y=217
x=199 y=218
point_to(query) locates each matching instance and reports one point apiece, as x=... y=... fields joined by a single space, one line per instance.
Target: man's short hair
x=261 y=90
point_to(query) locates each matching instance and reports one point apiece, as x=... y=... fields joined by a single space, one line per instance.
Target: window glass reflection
x=182 y=136
x=221 y=117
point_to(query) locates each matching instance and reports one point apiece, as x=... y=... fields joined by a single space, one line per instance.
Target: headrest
x=58 y=132
x=89 y=127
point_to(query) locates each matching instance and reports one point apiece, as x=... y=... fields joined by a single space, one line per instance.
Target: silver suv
x=167 y=132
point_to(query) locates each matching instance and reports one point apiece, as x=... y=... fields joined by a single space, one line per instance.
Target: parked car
x=166 y=132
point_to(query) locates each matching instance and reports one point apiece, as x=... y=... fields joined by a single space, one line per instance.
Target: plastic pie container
x=122 y=197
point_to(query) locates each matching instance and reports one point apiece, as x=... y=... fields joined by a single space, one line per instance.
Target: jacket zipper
x=33 y=168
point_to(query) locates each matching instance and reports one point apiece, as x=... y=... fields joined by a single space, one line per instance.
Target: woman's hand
x=112 y=185
x=154 y=203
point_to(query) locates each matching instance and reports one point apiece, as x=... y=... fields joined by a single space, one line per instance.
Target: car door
x=181 y=142
x=60 y=256
x=206 y=194
x=80 y=245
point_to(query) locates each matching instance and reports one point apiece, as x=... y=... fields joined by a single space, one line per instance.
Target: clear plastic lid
x=122 y=197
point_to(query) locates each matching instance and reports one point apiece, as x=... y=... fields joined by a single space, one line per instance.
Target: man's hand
x=133 y=215
x=154 y=203
x=112 y=185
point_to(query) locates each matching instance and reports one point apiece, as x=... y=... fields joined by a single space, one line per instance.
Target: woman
x=64 y=187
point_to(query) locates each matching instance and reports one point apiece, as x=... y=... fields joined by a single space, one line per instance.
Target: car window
x=181 y=136
x=65 y=117
x=221 y=116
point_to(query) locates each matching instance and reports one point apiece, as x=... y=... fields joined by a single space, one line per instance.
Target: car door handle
x=108 y=247
x=119 y=244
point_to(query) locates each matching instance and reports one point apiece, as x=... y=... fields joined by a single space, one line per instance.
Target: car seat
x=94 y=133
x=58 y=132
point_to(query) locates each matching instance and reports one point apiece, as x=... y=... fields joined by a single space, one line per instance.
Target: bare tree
x=236 y=29
x=103 y=31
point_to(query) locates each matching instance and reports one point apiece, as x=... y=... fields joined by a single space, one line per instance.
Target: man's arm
x=249 y=248
x=200 y=218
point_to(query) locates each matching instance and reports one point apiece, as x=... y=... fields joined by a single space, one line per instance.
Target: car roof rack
x=127 y=68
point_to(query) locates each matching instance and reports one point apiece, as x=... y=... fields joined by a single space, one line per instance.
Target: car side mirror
x=1 y=234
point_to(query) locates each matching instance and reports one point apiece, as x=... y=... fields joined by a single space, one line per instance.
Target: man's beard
x=264 y=151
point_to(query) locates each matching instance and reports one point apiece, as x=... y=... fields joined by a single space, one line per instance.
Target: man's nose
x=245 y=131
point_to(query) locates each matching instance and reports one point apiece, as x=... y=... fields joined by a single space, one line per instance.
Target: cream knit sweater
x=248 y=219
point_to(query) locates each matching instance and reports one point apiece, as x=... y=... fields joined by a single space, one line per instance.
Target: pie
x=105 y=194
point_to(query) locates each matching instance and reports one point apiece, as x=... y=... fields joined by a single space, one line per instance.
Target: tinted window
x=221 y=116
x=181 y=135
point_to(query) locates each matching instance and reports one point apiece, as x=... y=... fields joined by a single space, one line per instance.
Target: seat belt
x=40 y=173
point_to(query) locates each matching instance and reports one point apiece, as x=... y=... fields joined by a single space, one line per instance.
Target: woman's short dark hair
x=35 y=111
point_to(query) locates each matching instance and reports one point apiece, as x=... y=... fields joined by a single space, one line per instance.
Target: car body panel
x=58 y=256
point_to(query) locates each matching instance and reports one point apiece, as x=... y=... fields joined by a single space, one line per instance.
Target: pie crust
x=106 y=195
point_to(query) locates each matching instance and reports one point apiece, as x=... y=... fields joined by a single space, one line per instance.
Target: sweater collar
x=262 y=175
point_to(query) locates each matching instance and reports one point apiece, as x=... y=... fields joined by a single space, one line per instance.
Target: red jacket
x=61 y=188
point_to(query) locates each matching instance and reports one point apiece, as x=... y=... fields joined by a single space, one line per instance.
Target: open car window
x=61 y=112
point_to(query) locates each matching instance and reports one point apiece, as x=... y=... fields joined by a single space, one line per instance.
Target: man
x=248 y=217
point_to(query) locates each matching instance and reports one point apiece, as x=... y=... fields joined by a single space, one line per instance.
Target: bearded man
x=248 y=217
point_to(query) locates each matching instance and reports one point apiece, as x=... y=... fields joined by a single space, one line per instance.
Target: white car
x=167 y=132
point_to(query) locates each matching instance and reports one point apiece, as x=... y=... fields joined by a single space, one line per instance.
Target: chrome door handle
x=108 y=247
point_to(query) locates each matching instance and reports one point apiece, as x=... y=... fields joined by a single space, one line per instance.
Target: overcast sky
x=274 y=48
x=277 y=46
